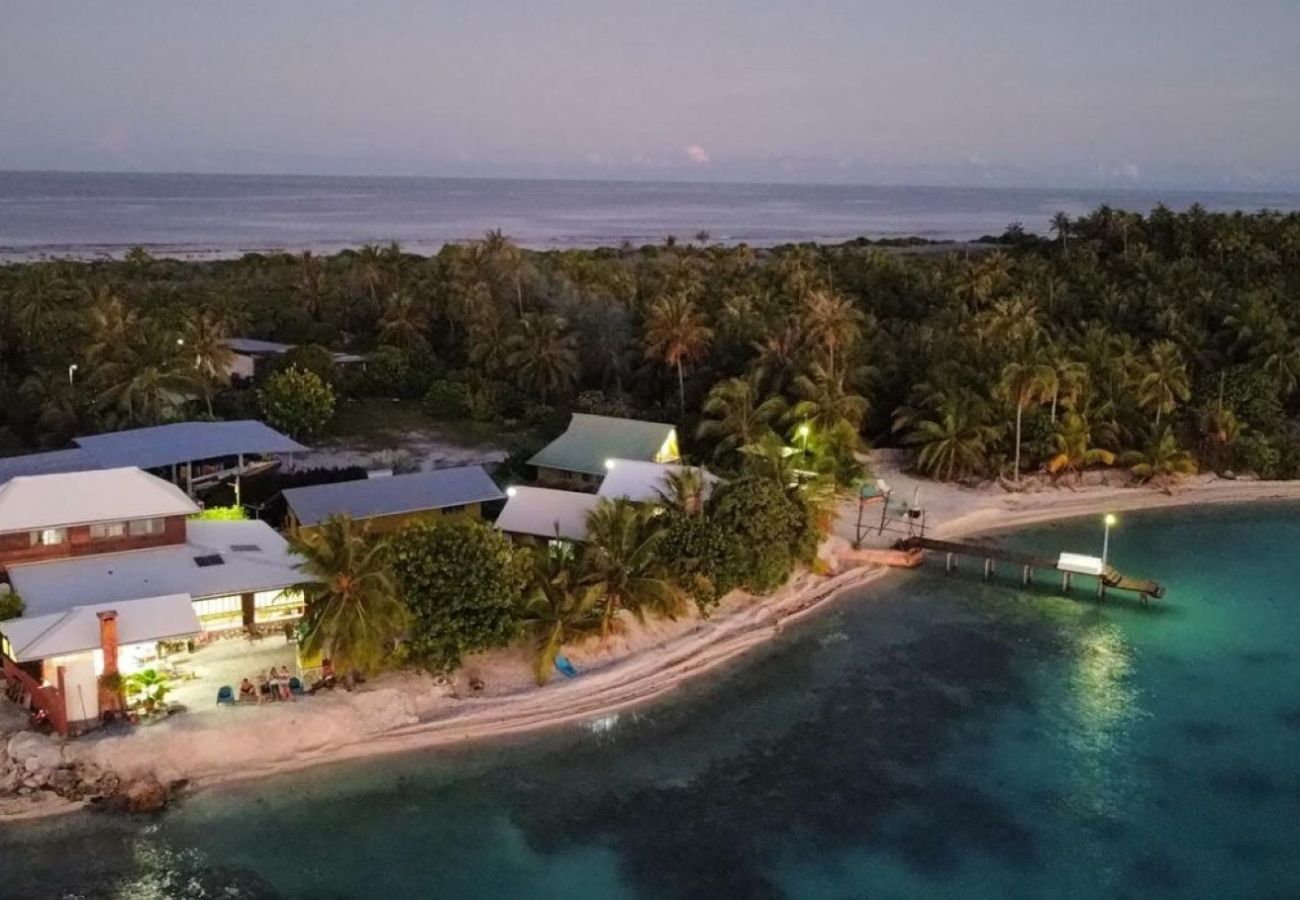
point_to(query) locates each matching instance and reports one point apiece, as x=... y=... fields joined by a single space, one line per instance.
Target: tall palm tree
x=684 y=490
x=778 y=357
x=544 y=355
x=826 y=400
x=353 y=610
x=557 y=608
x=205 y=338
x=834 y=323
x=1061 y=225
x=1164 y=382
x=622 y=563
x=676 y=333
x=404 y=322
x=1025 y=384
x=737 y=415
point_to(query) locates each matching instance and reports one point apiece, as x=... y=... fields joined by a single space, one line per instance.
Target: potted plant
x=151 y=686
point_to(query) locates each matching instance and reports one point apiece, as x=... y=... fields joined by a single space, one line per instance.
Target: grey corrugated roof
x=53 y=463
x=547 y=513
x=166 y=445
x=591 y=440
x=392 y=495
x=253 y=345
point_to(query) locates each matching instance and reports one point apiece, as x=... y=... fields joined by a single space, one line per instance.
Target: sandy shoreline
x=408 y=713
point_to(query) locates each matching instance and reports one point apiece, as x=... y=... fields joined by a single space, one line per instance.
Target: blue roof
x=166 y=445
x=392 y=495
x=53 y=463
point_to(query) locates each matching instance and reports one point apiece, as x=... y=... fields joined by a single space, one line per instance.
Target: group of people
x=273 y=684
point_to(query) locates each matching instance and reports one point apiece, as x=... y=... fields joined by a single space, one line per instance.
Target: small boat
x=564 y=667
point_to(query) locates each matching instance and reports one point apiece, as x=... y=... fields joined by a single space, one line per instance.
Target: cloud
x=697 y=154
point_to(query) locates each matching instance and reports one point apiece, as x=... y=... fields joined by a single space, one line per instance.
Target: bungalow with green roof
x=579 y=458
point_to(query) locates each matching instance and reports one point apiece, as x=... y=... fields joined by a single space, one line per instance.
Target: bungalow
x=546 y=513
x=390 y=502
x=579 y=456
x=646 y=482
x=249 y=354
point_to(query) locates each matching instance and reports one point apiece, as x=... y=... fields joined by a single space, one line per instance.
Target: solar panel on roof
x=212 y=559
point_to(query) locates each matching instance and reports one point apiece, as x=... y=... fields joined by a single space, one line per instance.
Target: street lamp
x=72 y=372
x=1109 y=520
x=803 y=432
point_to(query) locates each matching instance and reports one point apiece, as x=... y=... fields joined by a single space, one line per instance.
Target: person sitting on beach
x=248 y=691
x=267 y=684
x=282 y=682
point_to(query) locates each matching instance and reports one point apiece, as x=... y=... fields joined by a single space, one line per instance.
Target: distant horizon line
x=739 y=182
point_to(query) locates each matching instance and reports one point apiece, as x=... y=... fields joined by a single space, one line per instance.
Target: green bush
x=11 y=605
x=297 y=402
x=447 y=399
x=704 y=559
x=773 y=531
x=463 y=583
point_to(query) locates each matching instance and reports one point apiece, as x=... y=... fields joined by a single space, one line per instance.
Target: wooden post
x=948 y=562
x=1024 y=576
x=988 y=568
x=1065 y=582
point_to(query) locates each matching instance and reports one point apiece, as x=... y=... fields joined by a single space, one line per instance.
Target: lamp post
x=72 y=373
x=1109 y=521
x=803 y=432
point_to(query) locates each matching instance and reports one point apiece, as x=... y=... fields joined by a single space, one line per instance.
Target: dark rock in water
x=145 y=796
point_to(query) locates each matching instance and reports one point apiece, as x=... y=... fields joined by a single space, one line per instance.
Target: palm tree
x=622 y=563
x=544 y=355
x=676 y=334
x=58 y=405
x=778 y=357
x=353 y=610
x=826 y=400
x=684 y=491
x=1024 y=384
x=205 y=340
x=557 y=608
x=1161 y=460
x=1061 y=225
x=1164 y=383
x=506 y=263
x=833 y=322
x=952 y=442
x=1074 y=449
x=151 y=685
x=736 y=414
x=404 y=322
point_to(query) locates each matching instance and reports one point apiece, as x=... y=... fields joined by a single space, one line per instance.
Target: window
x=245 y=548
x=142 y=527
x=49 y=537
x=107 y=530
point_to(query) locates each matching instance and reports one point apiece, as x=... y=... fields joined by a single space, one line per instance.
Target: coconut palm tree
x=353 y=612
x=676 y=334
x=404 y=322
x=1164 y=382
x=737 y=415
x=1074 y=449
x=543 y=355
x=557 y=608
x=1061 y=225
x=826 y=400
x=1161 y=461
x=1025 y=384
x=205 y=338
x=684 y=491
x=778 y=358
x=952 y=441
x=833 y=323
x=621 y=562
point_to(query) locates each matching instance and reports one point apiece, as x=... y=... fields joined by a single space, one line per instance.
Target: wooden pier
x=1108 y=578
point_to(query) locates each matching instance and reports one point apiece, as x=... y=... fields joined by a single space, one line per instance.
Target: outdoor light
x=803 y=432
x=511 y=491
x=1109 y=521
x=609 y=464
x=72 y=371
x=180 y=342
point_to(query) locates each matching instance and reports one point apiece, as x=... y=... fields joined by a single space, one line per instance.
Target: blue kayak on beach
x=565 y=668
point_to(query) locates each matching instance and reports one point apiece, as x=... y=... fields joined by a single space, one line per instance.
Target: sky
x=1060 y=93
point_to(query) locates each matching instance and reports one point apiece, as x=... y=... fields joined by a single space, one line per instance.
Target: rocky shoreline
x=38 y=774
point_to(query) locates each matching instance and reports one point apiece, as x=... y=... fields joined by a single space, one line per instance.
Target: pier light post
x=1109 y=520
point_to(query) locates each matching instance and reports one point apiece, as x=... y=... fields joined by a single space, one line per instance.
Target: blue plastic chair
x=565 y=668
x=295 y=685
x=225 y=694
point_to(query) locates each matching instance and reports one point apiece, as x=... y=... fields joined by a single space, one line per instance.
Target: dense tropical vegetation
x=1123 y=334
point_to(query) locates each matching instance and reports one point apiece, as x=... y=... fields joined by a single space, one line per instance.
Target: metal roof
x=139 y=621
x=392 y=495
x=591 y=440
x=182 y=442
x=645 y=482
x=74 y=460
x=253 y=346
x=58 y=585
x=31 y=502
x=547 y=513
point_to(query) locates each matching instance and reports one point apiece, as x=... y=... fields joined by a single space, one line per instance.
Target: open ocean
x=90 y=215
x=932 y=736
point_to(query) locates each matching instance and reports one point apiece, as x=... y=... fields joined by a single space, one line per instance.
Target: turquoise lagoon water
x=934 y=737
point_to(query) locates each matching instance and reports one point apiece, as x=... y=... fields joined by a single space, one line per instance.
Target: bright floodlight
x=803 y=430
x=1110 y=519
x=511 y=491
x=609 y=464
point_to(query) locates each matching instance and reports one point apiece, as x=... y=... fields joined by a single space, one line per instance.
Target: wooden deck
x=1028 y=562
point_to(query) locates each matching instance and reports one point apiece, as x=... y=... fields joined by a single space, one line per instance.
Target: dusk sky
x=1161 y=93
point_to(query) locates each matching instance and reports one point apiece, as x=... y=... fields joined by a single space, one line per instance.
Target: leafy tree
x=704 y=560
x=1164 y=382
x=1074 y=449
x=150 y=685
x=676 y=334
x=1024 y=384
x=772 y=530
x=353 y=612
x=463 y=583
x=11 y=604
x=737 y=415
x=1161 y=460
x=543 y=355
x=298 y=403
x=557 y=608
x=622 y=563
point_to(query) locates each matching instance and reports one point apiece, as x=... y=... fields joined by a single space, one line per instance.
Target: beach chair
x=225 y=694
x=295 y=686
x=565 y=668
